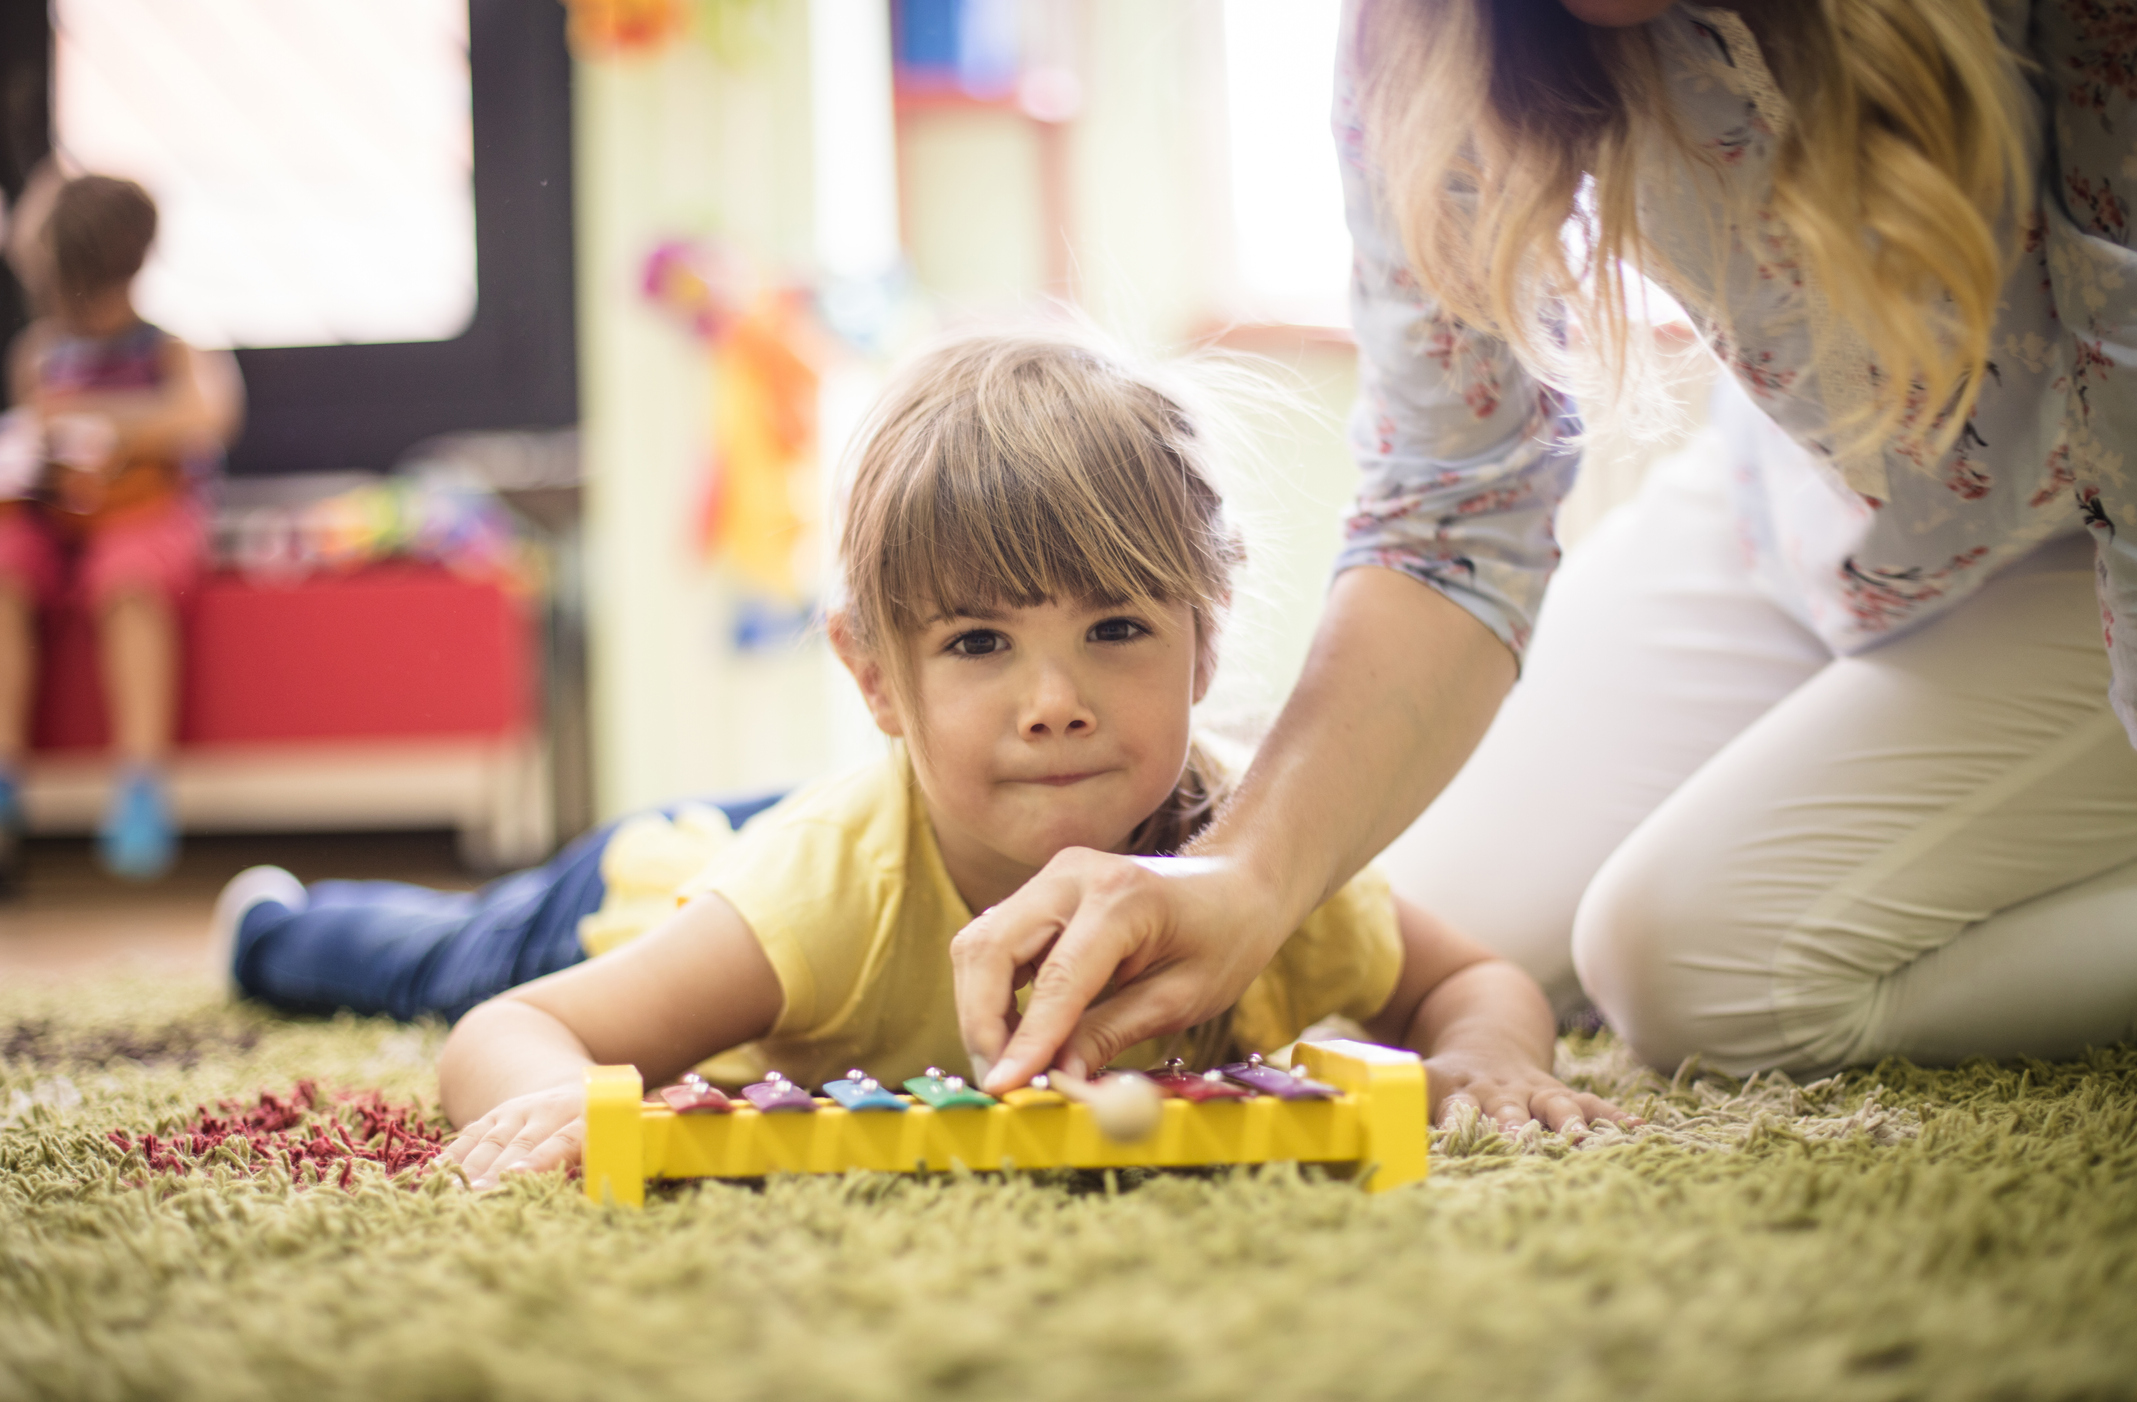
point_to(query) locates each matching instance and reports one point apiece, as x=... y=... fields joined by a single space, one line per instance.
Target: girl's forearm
x=149 y=423
x=505 y=1047
x=196 y=409
x=1491 y=1010
x=1399 y=687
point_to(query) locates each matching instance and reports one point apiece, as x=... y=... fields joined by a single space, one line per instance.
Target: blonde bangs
x=1013 y=510
x=1015 y=471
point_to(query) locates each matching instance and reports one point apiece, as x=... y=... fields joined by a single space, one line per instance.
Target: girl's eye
x=980 y=642
x=1117 y=630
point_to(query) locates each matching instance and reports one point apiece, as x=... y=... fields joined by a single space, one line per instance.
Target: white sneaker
x=246 y=890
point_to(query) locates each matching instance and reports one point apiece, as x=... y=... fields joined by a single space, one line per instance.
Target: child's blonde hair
x=1014 y=469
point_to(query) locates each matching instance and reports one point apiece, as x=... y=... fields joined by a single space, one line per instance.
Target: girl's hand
x=83 y=443
x=530 y=1133
x=1511 y=1094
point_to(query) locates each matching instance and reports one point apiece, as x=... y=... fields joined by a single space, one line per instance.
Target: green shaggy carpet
x=1893 y=1233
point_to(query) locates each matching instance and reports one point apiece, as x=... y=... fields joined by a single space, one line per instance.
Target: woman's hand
x=1511 y=1094
x=1177 y=938
x=530 y=1133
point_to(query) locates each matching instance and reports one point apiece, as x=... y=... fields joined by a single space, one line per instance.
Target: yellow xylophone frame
x=1377 y=1127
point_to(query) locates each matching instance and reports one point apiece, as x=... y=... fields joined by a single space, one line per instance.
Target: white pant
x=1747 y=848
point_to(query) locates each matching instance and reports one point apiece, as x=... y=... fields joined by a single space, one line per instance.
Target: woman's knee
x=1676 y=940
x=1687 y=952
x=1629 y=934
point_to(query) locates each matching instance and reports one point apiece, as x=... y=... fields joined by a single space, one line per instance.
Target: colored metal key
x=695 y=1095
x=1179 y=1083
x=1271 y=1080
x=861 y=1091
x=945 y=1092
x=776 y=1092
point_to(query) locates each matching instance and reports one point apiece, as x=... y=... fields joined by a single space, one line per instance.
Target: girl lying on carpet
x=1035 y=562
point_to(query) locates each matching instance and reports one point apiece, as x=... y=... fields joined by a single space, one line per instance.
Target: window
x=326 y=407
x=1287 y=199
x=312 y=160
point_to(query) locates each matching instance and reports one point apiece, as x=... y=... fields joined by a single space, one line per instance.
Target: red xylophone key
x=695 y=1095
x=1179 y=1083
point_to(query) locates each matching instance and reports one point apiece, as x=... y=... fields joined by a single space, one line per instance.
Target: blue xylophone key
x=1271 y=1080
x=776 y=1092
x=859 y=1091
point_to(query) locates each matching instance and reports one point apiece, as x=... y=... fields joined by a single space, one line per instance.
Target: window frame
x=332 y=408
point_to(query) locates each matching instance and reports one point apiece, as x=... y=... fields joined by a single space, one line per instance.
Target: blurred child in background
x=114 y=426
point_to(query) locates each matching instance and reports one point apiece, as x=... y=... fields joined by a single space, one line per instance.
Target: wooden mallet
x=1125 y=1104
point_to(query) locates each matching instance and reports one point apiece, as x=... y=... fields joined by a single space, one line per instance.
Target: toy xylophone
x=1352 y=1104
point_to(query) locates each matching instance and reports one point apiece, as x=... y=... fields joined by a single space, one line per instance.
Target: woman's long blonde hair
x=1033 y=466
x=1907 y=142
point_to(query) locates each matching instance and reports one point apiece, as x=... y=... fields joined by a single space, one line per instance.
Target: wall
x=1144 y=250
x=680 y=144
x=1123 y=210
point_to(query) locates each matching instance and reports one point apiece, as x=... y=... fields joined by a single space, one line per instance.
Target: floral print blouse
x=1465 y=456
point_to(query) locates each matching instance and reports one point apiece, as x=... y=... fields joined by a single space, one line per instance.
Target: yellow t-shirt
x=647 y=860
x=847 y=892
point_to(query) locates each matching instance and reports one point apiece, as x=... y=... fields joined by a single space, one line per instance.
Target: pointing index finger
x=987 y=955
x=1075 y=971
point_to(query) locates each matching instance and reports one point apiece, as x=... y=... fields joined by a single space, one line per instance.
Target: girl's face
x=1062 y=725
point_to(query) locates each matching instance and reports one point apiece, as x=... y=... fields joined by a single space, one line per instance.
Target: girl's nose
x=1056 y=706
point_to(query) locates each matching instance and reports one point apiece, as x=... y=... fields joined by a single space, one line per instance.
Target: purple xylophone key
x=1271 y=1081
x=776 y=1092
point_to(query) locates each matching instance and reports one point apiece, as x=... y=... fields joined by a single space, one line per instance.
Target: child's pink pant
x=162 y=550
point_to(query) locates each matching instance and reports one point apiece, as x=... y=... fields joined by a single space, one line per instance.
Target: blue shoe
x=138 y=841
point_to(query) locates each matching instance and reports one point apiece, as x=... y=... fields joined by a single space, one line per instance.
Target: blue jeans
x=407 y=951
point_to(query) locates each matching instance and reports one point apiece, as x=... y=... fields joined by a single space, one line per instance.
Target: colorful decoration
x=1006 y=54
x=456 y=524
x=311 y=1135
x=606 y=28
x=757 y=515
x=968 y=47
x=736 y=31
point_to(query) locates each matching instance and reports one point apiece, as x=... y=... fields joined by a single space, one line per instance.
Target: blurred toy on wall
x=606 y=29
x=757 y=516
x=601 y=28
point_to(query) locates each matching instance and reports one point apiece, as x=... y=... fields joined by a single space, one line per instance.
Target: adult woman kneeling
x=1820 y=751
